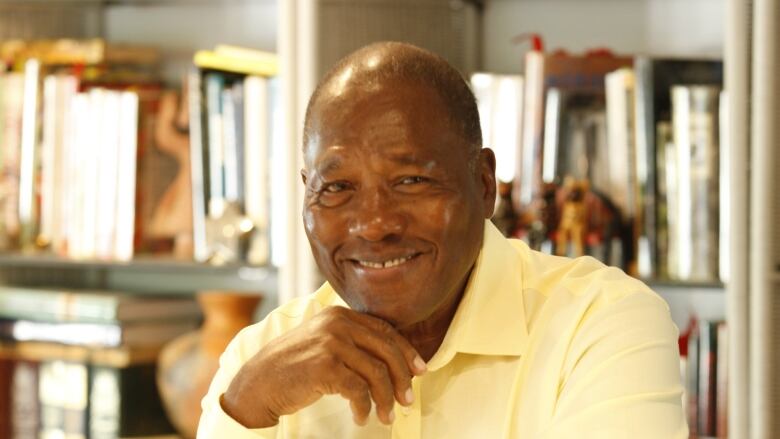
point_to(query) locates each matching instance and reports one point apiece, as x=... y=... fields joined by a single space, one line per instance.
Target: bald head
x=380 y=64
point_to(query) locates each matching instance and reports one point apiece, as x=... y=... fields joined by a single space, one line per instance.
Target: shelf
x=143 y=275
x=683 y=285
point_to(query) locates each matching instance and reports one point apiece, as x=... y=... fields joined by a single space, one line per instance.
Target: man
x=429 y=315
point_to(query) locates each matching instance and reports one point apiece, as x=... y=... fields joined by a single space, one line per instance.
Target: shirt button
x=405 y=411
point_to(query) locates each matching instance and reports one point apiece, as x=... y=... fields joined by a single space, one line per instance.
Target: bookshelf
x=175 y=28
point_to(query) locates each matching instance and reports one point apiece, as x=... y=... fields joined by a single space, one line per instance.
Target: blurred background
x=149 y=188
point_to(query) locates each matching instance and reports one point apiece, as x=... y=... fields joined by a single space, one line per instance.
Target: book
x=92 y=306
x=13 y=99
x=58 y=91
x=567 y=73
x=257 y=140
x=199 y=172
x=25 y=411
x=499 y=101
x=692 y=383
x=654 y=79
x=708 y=351
x=142 y=334
x=722 y=381
x=238 y=60
x=94 y=51
x=63 y=399
x=84 y=392
x=695 y=136
x=29 y=156
x=214 y=85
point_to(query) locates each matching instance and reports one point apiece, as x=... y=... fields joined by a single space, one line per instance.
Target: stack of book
x=79 y=164
x=237 y=168
x=704 y=367
x=82 y=365
x=643 y=135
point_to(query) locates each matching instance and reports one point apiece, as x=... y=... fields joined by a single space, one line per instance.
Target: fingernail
x=391 y=416
x=419 y=364
x=409 y=396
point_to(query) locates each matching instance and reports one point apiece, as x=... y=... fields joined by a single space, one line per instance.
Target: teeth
x=386 y=264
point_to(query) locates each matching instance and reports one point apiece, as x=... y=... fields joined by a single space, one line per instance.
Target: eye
x=416 y=179
x=335 y=187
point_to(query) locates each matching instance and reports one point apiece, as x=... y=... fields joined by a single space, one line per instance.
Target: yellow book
x=238 y=60
x=70 y=51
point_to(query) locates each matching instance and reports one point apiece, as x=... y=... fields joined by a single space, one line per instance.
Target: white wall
x=181 y=28
x=655 y=27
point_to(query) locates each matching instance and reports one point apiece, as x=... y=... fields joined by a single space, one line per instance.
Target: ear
x=486 y=171
x=304 y=176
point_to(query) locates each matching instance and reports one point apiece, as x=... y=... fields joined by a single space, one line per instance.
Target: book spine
x=694 y=118
x=25 y=401
x=707 y=378
x=722 y=379
x=692 y=385
x=30 y=155
x=216 y=157
x=644 y=110
x=108 y=168
x=257 y=122
x=63 y=395
x=278 y=187
x=9 y=192
x=123 y=247
x=198 y=157
x=230 y=145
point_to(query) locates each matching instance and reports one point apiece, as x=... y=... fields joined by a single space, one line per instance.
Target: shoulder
x=582 y=286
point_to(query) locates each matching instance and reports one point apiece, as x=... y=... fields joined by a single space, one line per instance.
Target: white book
x=197 y=166
x=60 y=184
x=76 y=173
x=107 y=173
x=51 y=133
x=13 y=97
x=256 y=162
x=230 y=146
x=126 y=176
x=533 y=120
x=724 y=167
x=694 y=120
x=28 y=159
x=500 y=104
x=279 y=191
x=620 y=139
x=216 y=150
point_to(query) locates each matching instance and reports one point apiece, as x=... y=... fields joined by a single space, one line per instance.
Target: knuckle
x=379 y=370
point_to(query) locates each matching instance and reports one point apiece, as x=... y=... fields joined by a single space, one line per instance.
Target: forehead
x=393 y=119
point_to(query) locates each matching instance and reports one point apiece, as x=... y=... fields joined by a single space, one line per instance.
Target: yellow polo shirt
x=540 y=347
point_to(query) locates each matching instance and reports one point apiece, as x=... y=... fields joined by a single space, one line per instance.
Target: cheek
x=323 y=231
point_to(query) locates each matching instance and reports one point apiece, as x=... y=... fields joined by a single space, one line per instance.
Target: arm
x=621 y=377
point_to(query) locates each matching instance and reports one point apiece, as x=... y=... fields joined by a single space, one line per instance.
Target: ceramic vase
x=188 y=363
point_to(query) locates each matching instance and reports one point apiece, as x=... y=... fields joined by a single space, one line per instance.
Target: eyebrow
x=328 y=165
x=333 y=163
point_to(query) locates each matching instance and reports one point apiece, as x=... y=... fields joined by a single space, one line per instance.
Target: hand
x=339 y=351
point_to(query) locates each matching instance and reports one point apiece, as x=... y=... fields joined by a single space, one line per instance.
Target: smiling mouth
x=386 y=264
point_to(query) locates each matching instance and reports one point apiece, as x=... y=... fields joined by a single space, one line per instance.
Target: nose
x=378 y=217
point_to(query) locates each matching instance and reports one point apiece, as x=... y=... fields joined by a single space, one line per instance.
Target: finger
x=413 y=359
x=375 y=373
x=384 y=348
x=354 y=388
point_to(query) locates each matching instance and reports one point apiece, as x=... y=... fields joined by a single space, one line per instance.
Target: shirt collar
x=490 y=319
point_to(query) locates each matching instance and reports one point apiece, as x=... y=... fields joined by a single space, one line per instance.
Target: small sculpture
x=574 y=218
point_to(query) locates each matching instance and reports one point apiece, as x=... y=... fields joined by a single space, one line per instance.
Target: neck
x=427 y=336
